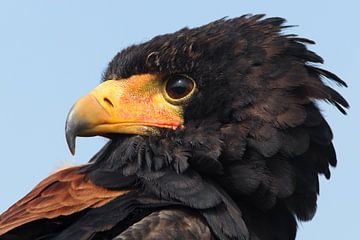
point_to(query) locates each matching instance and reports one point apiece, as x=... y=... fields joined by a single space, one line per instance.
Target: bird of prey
x=214 y=133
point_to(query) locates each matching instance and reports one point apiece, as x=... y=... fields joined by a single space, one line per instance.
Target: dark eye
x=179 y=87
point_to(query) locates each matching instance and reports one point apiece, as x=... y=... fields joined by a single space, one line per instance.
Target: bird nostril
x=108 y=102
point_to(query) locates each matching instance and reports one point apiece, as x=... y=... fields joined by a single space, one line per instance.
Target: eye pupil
x=179 y=87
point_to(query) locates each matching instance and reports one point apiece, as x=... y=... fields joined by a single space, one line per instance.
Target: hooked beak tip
x=71 y=130
x=70 y=140
x=80 y=119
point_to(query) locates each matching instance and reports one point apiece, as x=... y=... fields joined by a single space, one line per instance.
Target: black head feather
x=253 y=126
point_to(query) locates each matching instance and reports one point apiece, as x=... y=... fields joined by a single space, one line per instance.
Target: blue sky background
x=53 y=52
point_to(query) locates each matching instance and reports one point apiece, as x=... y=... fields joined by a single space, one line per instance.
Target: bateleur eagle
x=214 y=133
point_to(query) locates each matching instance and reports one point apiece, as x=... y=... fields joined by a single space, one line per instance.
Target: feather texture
x=61 y=194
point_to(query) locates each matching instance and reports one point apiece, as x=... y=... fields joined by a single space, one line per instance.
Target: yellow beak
x=128 y=106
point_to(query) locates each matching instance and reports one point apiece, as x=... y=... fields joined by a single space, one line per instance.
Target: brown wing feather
x=168 y=224
x=61 y=194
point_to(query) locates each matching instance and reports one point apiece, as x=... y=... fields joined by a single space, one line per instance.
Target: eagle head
x=234 y=100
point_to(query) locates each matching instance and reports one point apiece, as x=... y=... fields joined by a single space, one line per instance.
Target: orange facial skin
x=136 y=105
